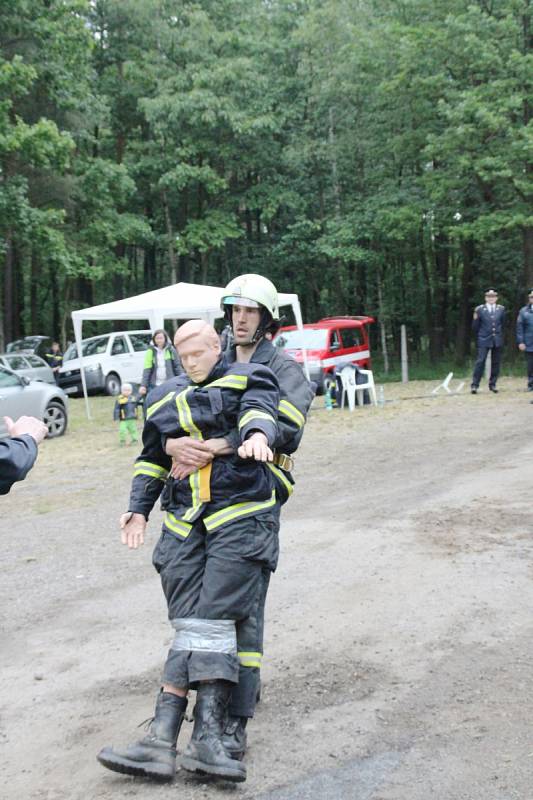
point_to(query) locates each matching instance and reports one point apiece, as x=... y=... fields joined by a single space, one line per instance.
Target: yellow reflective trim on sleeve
x=279 y=474
x=250 y=659
x=236 y=511
x=255 y=414
x=239 y=382
x=292 y=413
x=150 y=469
x=177 y=525
x=159 y=403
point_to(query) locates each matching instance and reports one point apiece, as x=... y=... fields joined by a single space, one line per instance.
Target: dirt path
x=398 y=657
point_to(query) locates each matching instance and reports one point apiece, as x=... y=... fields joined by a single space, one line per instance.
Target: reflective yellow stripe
x=205 y=480
x=279 y=474
x=230 y=382
x=150 y=469
x=292 y=413
x=254 y=414
x=236 y=511
x=177 y=525
x=187 y=424
x=159 y=403
x=250 y=659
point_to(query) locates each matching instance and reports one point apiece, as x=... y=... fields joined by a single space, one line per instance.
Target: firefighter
x=54 y=359
x=250 y=304
x=218 y=535
x=18 y=453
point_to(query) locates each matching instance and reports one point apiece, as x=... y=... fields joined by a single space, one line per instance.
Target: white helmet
x=253 y=291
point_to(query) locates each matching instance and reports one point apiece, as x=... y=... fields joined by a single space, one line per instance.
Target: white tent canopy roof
x=179 y=301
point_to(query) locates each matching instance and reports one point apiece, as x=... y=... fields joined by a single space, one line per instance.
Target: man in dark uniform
x=488 y=325
x=18 y=454
x=524 y=337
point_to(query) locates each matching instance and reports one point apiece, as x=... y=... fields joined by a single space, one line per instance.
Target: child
x=126 y=412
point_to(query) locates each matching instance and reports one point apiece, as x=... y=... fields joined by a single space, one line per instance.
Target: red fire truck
x=329 y=343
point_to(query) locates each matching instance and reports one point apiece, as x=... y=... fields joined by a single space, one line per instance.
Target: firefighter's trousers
x=250 y=632
x=212 y=582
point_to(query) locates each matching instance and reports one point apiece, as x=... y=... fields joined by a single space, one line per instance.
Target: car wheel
x=55 y=418
x=112 y=384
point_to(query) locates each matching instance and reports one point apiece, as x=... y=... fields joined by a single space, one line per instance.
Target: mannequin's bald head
x=198 y=347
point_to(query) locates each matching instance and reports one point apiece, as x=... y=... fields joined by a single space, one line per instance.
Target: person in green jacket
x=161 y=362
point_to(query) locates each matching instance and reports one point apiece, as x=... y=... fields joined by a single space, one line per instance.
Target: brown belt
x=284 y=462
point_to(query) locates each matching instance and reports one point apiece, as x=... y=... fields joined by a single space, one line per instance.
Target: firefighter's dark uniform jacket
x=17 y=457
x=172 y=365
x=241 y=395
x=126 y=407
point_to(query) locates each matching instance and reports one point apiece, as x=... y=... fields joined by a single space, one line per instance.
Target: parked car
x=29 y=365
x=35 y=344
x=108 y=361
x=328 y=343
x=19 y=396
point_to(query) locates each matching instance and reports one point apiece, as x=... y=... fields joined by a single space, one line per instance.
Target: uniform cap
x=531 y=292
x=492 y=292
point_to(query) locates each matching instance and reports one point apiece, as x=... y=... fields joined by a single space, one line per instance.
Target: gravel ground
x=398 y=654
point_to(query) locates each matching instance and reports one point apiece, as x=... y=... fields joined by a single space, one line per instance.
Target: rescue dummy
x=218 y=536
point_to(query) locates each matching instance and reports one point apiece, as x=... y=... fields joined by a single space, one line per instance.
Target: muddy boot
x=234 y=738
x=205 y=752
x=154 y=756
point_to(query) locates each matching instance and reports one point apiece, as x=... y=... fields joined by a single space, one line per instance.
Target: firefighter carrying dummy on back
x=250 y=304
x=219 y=535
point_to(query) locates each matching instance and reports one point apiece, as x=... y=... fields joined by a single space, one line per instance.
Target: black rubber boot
x=205 y=752
x=154 y=756
x=234 y=738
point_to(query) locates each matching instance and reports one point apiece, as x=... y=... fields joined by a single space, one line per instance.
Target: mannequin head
x=198 y=347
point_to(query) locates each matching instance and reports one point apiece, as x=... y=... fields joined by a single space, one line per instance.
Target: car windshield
x=309 y=338
x=91 y=347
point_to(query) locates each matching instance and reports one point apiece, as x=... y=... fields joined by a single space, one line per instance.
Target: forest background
x=374 y=156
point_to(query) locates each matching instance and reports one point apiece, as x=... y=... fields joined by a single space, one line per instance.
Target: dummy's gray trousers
x=213 y=581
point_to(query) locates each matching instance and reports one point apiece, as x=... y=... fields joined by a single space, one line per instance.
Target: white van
x=108 y=361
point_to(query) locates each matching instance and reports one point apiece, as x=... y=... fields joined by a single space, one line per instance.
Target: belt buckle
x=284 y=462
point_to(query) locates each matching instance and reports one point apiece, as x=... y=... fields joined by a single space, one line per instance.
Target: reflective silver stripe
x=238 y=382
x=212 y=635
x=177 y=525
x=236 y=511
x=292 y=412
x=253 y=414
x=150 y=469
x=159 y=403
x=346 y=359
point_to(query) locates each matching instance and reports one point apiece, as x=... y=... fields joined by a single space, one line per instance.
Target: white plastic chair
x=352 y=390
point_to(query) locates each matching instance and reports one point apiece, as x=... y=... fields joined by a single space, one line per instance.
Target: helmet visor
x=232 y=300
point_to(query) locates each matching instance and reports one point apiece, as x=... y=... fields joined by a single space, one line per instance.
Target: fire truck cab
x=329 y=343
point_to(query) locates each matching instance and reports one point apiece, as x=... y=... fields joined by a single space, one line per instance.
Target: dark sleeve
x=520 y=328
x=259 y=405
x=17 y=457
x=296 y=396
x=148 y=366
x=116 y=411
x=150 y=472
x=476 y=322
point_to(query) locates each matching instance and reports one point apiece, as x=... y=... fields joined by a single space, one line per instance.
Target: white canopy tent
x=179 y=301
